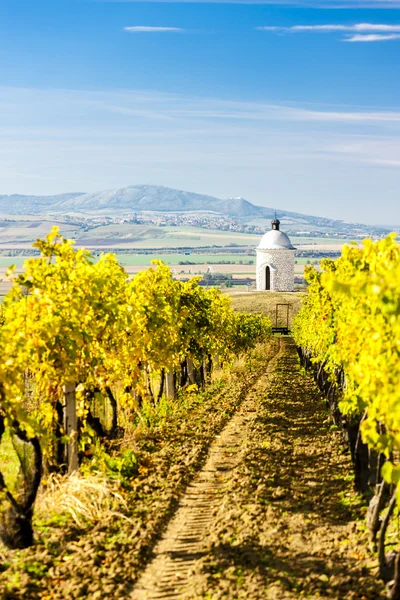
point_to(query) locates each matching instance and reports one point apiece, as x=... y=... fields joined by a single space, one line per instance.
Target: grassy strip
x=145 y=259
x=101 y=553
x=265 y=304
x=290 y=524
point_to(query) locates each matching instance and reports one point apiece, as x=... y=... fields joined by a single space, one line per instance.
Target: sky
x=293 y=105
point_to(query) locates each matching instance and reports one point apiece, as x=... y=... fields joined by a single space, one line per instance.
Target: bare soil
x=182 y=544
x=275 y=516
x=246 y=495
x=103 y=559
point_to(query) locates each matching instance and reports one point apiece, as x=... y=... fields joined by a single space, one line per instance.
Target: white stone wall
x=281 y=263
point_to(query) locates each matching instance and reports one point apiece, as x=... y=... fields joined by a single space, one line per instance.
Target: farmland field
x=138 y=260
x=19 y=236
x=21 y=232
x=124 y=235
x=175 y=259
x=199 y=264
x=145 y=259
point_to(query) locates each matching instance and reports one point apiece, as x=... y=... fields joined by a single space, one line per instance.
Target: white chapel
x=275 y=261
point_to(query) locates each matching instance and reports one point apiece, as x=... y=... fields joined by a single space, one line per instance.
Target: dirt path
x=182 y=544
x=272 y=515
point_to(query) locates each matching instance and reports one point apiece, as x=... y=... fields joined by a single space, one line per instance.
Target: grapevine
x=71 y=321
x=349 y=324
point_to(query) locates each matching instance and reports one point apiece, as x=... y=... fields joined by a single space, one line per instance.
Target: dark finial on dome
x=275 y=223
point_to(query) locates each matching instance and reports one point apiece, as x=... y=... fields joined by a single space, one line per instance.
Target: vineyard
x=156 y=443
x=76 y=334
x=348 y=330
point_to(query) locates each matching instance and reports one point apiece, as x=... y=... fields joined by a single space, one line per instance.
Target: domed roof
x=275 y=239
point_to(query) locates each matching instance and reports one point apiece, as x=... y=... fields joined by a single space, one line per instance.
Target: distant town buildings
x=219 y=222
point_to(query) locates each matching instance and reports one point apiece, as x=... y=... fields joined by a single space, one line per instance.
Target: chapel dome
x=275 y=239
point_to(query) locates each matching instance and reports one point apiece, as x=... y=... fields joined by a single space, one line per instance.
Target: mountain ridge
x=138 y=198
x=153 y=198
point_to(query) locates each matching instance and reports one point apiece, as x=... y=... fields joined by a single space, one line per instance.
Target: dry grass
x=87 y=499
x=265 y=303
x=9 y=462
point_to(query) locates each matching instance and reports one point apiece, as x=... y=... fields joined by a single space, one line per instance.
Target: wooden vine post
x=170 y=385
x=190 y=371
x=71 y=427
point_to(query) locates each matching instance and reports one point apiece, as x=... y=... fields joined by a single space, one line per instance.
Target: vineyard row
x=348 y=332
x=77 y=335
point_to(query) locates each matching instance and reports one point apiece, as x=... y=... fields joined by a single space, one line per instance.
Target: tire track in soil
x=183 y=543
x=289 y=525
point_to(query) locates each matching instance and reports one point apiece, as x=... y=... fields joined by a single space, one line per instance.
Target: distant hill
x=156 y=198
x=139 y=198
x=17 y=204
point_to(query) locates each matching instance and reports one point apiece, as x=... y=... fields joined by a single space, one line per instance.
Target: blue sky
x=292 y=105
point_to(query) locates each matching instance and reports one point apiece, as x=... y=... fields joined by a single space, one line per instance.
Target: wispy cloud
x=373 y=37
x=363 y=32
x=360 y=27
x=288 y=155
x=357 y=27
x=151 y=29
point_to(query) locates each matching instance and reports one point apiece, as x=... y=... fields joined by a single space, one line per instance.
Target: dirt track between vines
x=182 y=544
x=272 y=514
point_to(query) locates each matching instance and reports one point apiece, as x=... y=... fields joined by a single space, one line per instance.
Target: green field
x=132 y=260
x=7 y=261
x=318 y=241
x=307 y=261
x=175 y=259
x=128 y=235
x=139 y=260
x=22 y=233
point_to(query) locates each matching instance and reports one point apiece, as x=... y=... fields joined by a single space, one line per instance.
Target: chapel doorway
x=267 y=278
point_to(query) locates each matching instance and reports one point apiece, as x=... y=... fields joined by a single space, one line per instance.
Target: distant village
x=215 y=221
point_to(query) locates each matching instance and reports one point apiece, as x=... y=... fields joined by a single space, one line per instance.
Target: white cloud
x=373 y=37
x=151 y=29
x=358 y=27
x=363 y=117
x=321 y=28
x=388 y=163
x=364 y=27
x=363 y=32
x=370 y=150
x=376 y=27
